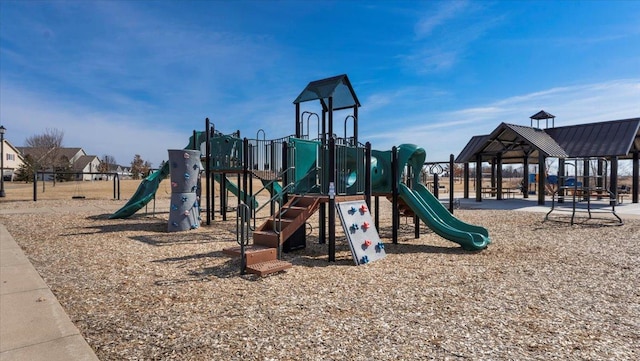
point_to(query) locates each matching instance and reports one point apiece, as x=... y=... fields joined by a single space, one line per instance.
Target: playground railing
x=248 y=223
x=242 y=234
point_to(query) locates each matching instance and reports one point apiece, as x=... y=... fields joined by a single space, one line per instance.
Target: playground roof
x=515 y=142
x=338 y=87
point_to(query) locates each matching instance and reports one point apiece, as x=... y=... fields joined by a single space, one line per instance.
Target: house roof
x=14 y=149
x=338 y=87
x=37 y=152
x=81 y=163
x=515 y=142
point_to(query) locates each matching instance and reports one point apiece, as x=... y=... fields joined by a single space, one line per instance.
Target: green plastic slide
x=431 y=211
x=144 y=194
x=447 y=227
x=149 y=186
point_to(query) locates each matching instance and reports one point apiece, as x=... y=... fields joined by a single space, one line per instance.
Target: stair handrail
x=242 y=234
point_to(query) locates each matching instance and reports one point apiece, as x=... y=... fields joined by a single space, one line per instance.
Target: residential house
x=84 y=166
x=77 y=159
x=12 y=160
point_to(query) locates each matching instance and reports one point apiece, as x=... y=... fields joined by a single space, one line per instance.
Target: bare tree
x=107 y=163
x=46 y=148
x=139 y=167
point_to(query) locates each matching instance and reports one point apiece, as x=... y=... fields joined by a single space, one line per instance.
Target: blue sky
x=137 y=77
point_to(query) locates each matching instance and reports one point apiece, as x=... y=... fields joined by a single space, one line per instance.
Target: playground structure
x=582 y=186
x=303 y=174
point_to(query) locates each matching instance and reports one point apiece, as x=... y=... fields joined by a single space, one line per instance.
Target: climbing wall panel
x=361 y=232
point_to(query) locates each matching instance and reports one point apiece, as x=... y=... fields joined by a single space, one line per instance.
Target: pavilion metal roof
x=472 y=148
x=515 y=142
x=338 y=87
x=604 y=139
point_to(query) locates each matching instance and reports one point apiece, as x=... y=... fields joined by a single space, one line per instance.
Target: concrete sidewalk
x=33 y=325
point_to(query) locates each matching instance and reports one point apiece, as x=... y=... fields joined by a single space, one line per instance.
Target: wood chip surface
x=541 y=291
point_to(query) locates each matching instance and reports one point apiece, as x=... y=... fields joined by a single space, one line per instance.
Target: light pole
x=2 y=130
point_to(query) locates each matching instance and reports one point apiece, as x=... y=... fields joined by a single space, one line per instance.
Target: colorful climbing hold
x=363 y=208
x=184 y=198
x=187 y=176
x=364 y=259
x=174 y=207
x=186 y=155
x=379 y=246
x=365 y=226
x=367 y=242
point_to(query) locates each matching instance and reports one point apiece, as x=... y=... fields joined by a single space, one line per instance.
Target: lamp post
x=2 y=130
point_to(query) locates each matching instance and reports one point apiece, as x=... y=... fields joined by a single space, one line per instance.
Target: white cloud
x=443 y=133
x=446 y=11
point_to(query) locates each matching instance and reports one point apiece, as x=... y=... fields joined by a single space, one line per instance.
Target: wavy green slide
x=432 y=212
x=144 y=194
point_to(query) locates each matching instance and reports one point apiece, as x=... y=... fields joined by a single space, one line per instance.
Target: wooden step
x=253 y=253
x=292 y=212
x=266 y=238
x=272 y=224
x=264 y=268
x=302 y=201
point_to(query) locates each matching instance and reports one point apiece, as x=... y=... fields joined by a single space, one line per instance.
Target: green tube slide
x=429 y=209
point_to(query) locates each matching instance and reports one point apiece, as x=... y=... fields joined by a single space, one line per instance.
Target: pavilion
x=608 y=141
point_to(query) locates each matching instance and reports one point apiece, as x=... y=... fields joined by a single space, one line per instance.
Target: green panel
x=226 y=153
x=306 y=162
x=380 y=171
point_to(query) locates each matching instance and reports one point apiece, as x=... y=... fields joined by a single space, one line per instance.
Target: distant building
x=13 y=160
x=76 y=158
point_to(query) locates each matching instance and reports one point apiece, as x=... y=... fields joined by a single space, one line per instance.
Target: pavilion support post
x=499 y=176
x=466 y=180
x=600 y=177
x=586 y=180
x=635 y=181
x=561 y=170
x=614 y=181
x=525 y=176
x=478 y=178
x=493 y=175
x=541 y=178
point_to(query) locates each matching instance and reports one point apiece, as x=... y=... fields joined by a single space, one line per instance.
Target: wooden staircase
x=262 y=257
x=403 y=208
